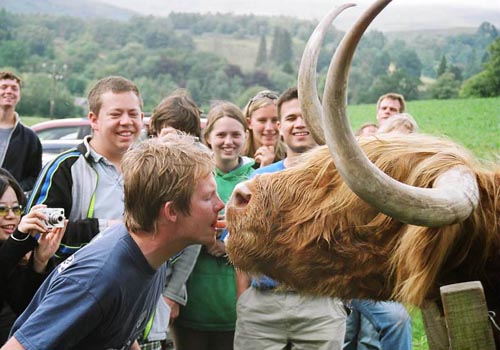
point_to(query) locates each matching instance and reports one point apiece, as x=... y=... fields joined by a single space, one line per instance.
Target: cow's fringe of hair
x=425 y=255
x=419 y=256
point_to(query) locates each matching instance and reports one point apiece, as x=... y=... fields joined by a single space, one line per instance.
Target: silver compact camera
x=55 y=217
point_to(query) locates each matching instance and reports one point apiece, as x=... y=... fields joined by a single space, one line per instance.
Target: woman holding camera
x=24 y=260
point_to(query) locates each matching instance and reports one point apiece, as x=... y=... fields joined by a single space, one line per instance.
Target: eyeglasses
x=16 y=209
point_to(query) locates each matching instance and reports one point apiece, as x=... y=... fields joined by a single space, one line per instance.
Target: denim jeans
x=391 y=324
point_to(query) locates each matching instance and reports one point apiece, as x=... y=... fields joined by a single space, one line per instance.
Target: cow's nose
x=241 y=196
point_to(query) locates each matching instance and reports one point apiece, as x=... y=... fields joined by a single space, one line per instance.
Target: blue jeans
x=391 y=324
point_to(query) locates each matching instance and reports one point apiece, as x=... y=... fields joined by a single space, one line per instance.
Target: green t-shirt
x=211 y=288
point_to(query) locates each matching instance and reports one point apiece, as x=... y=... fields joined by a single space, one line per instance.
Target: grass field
x=475 y=123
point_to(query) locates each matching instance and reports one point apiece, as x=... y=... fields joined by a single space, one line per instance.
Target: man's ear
x=278 y=125
x=170 y=212
x=93 y=121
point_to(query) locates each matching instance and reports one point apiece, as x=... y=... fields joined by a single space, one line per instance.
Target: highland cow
x=388 y=217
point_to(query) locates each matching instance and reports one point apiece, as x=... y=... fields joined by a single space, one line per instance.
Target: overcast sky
x=399 y=15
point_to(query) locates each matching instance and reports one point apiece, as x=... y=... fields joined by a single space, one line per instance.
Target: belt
x=264 y=287
x=274 y=289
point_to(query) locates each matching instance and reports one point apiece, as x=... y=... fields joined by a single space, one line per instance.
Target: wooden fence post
x=467 y=316
x=435 y=327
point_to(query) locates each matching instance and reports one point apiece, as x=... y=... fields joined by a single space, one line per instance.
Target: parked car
x=59 y=135
x=51 y=148
x=63 y=129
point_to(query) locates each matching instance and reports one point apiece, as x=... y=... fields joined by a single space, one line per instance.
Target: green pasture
x=32 y=120
x=475 y=123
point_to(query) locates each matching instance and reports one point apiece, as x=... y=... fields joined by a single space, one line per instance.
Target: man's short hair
x=393 y=96
x=10 y=76
x=156 y=172
x=287 y=95
x=115 y=84
x=179 y=111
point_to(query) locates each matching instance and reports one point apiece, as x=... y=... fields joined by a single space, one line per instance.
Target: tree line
x=59 y=57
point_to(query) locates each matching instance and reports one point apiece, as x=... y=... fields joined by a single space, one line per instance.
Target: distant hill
x=396 y=17
x=74 y=8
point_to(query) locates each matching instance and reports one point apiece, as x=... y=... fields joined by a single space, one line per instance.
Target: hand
x=33 y=222
x=166 y=131
x=174 y=309
x=264 y=155
x=217 y=249
x=47 y=246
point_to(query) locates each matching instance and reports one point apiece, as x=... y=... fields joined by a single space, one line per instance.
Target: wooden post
x=435 y=327
x=467 y=316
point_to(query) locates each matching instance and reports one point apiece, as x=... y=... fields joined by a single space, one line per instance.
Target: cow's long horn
x=308 y=93
x=455 y=193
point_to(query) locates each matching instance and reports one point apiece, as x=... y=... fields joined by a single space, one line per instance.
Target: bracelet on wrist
x=26 y=235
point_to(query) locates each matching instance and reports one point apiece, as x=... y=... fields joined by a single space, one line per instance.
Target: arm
x=181 y=270
x=135 y=346
x=32 y=164
x=24 y=282
x=54 y=189
x=175 y=293
x=13 y=250
x=242 y=282
x=12 y=344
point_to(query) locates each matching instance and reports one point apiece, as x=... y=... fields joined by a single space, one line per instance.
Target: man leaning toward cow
x=103 y=296
x=269 y=317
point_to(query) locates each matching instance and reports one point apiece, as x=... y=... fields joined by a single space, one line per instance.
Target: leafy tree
x=480 y=85
x=281 y=49
x=399 y=81
x=486 y=83
x=456 y=71
x=36 y=98
x=13 y=53
x=445 y=87
x=408 y=60
x=261 y=52
x=7 y=24
x=443 y=65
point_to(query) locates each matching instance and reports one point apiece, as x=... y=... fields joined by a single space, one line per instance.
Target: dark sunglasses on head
x=16 y=209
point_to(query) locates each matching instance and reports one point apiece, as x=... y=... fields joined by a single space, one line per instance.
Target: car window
x=71 y=136
x=58 y=133
x=84 y=131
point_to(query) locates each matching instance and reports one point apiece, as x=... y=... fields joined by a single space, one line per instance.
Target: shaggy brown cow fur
x=306 y=228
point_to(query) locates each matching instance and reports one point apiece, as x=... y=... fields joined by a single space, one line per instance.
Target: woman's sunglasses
x=16 y=209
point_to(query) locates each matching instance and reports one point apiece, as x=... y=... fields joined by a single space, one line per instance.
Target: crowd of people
x=140 y=260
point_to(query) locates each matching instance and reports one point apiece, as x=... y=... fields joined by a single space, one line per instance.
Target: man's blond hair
x=157 y=172
x=398 y=121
